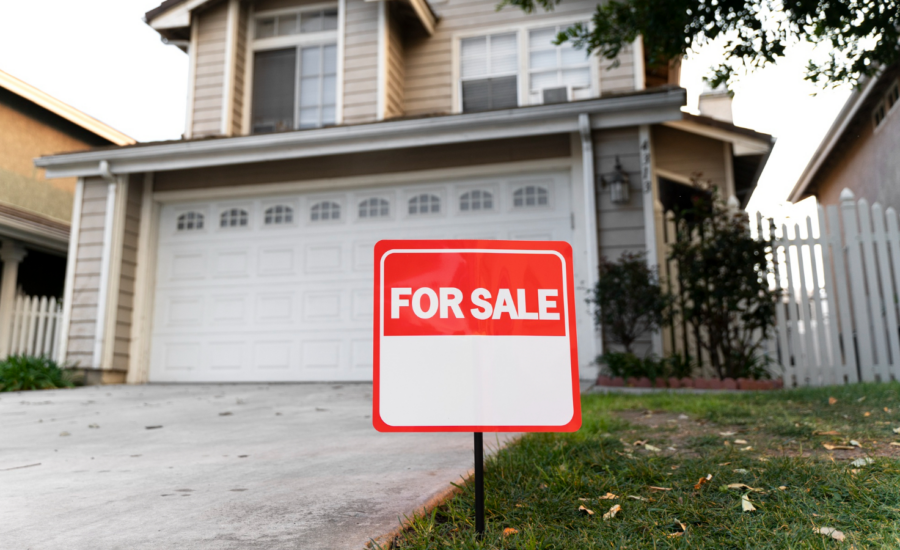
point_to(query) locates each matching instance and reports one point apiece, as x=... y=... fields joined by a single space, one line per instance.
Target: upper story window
x=424 y=204
x=374 y=208
x=279 y=214
x=489 y=67
x=190 y=221
x=556 y=73
x=531 y=196
x=294 y=71
x=234 y=217
x=476 y=200
x=324 y=211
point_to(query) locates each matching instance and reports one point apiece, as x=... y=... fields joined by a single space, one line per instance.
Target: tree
x=723 y=275
x=863 y=35
x=628 y=298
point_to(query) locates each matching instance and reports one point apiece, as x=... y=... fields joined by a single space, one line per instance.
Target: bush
x=628 y=364
x=22 y=372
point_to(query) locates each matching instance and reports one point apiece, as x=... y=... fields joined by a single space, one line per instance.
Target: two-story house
x=243 y=252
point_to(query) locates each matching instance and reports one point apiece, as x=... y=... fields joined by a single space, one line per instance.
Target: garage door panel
x=294 y=301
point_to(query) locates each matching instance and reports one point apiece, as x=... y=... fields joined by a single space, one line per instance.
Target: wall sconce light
x=618 y=184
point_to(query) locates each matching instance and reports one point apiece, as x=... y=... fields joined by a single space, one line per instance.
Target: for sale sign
x=475 y=336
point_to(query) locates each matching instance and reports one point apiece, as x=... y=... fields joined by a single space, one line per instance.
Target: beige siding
x=617 y=79
x=620 y=226
x=394 y=70
x=210 y=71
x=126 y=279
x=240 y=68
x=361 y=62
x=83 y=327
x=429 y=67
x=689 y=155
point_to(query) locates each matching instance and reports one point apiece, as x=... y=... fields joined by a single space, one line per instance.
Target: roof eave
x=631 y=110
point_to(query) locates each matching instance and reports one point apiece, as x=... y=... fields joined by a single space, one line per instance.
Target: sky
x=100 y=57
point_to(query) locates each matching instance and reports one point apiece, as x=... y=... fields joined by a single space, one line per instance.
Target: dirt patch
x=681 y=435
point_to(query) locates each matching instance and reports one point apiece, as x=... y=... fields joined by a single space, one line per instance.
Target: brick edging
x=693 y=383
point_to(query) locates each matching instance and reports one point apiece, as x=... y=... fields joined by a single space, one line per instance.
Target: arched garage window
x=476 y=200
x=233 y=217
x=424 y=204
x=279 y=214
x=190 y=221
x=325 y=210
x=531 y=195
x=374 y=208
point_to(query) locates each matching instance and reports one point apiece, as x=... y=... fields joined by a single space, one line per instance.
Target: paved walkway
x=225 y=466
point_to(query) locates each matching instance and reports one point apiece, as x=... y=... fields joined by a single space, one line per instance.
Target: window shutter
x=274 y=74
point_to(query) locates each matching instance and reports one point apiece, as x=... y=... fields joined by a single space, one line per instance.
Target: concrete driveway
x=224 y=466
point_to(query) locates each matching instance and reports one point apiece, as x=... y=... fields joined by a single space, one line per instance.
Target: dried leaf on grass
x=895 y=443
x=703 y=480
x=650 y=447
x=867 y=413
x=642 y=499
x=741 y=471
x=746 y=505
x=585 y=511
x=832 y=532
x=896 y=430
x=831 y=447
x=832 y=400
x=608 y=496
x=829 y=432
x=655 y=488
x=859 y=462
x=748 y=448
x=509 y=531
x=612 y=512
x=679 y=533
x=727 y=434
x=855 y=443
x=740 y=441
x=743 y=486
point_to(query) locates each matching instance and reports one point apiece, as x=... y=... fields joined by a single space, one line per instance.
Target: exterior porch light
x=618 y=184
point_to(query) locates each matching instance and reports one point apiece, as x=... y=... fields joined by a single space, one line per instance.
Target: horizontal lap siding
x=83 y=325
x=616 y=79
x=210 y=71
x=429 y=65
x=129 y=268
x=360 y=62
x=620 y=226
x=240 y=67
x=394 y=71
x=689 y=155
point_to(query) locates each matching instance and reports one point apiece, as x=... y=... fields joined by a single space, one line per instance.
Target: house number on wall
x=645 y=166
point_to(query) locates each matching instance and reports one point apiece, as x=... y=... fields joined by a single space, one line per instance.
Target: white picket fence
x=841 y=280
x=36 y=327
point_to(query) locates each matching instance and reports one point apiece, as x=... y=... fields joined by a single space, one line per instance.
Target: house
x=35 y=211
x=859 y=151
x=243 y=252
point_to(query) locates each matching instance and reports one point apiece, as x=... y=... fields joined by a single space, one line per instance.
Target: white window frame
x=487 y=188
x=888 y=109
x=587 y=64
x=439 y=192
x=392 y=206
x=518 y=186
x=521 y=30
x=297 y=41
x=221 y=210
x=314 y=201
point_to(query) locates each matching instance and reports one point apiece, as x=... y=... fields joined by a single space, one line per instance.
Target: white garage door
x=279 y=288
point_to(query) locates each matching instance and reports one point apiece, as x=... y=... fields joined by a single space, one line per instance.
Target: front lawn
x=648 y=454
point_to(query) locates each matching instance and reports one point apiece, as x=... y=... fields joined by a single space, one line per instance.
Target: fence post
x=887 y=292
x=836 y=293
x=857 y=284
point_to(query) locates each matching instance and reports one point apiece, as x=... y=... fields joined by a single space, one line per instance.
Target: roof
x=33 y=228
x=63 y=110
x=645 y=107
x=844 y=128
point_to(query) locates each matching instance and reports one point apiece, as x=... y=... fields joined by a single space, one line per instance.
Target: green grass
x=535 y=485
x=22 y=372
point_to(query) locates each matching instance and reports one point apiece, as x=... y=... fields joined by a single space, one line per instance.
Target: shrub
x=626 y=364
x=628 y=299
x=23 y=372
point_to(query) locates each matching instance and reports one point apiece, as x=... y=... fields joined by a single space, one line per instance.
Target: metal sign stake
x=479 y=485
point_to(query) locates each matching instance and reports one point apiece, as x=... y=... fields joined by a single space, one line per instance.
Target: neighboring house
x=243 y=252
x=860 y=150
x=34 y=211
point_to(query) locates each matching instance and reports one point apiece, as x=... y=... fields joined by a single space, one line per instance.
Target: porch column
x=12 y=255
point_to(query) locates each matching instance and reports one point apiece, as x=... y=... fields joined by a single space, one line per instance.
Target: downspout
x=105 y=261
x=590 y=214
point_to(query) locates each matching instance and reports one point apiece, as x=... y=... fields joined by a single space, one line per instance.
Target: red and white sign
x=475 y=336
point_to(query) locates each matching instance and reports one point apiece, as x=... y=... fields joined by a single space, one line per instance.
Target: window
x=279 y=214
x=190 y=221
x=325 y=211
x=234 y=217
x=297 y=23
x=531 y=195
x=476 y=200
x=488 y=72
x=551 y=66
x=893 y=95
x=374 y=208
x=886 y=104
x=295 y=71
x=424 y=204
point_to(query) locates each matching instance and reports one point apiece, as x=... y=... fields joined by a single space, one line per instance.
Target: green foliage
x=626 y=364
x=628 y=299
x=23 y=372
x=724 y=296
x=862 y=35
